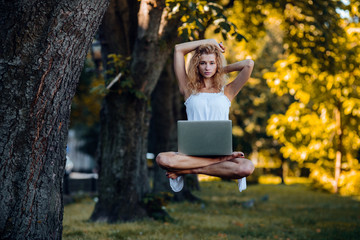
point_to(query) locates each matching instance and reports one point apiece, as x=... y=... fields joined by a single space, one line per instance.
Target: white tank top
x=207 y=106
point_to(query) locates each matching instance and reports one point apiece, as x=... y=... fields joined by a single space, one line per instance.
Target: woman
x=207 y=97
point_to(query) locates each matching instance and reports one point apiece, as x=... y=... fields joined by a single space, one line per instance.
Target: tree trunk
x=124 y=118
x=284 y=169
x=339 y=148
x=43 y=47
x=122 y=158
x=117 y=31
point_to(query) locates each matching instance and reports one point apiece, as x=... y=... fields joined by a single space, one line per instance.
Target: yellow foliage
x=322 y=178
x=349 y=183
x=269 y=179
x=237 y=131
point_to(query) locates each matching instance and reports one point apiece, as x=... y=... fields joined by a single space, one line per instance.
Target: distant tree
x=320 y=71
x=43 y=45
x=139 y=39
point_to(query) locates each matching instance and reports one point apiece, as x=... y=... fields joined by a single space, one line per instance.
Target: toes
x=239 y=154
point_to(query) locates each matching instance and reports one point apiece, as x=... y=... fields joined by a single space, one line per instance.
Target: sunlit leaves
x=198 y=15
x=320 y=69
x=305 y=135
x=352 y=106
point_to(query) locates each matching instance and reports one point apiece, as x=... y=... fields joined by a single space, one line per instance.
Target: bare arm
x=179 y=63
x=245 y=68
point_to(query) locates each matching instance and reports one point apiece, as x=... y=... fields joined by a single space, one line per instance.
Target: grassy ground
x=278 y=212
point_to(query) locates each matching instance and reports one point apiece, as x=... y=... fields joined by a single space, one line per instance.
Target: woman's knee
x=250 y=167
x=161 y=159
x=164 y=159
x=245 y=168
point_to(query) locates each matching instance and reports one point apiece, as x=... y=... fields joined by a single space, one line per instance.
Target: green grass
x=291 y=212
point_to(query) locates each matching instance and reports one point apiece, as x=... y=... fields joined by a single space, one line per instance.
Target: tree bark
x=117 y=31
x=123 y=170
x=125 y=115
x=42 y=50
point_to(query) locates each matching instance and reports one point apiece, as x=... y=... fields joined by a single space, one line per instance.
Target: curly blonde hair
x=196 y=82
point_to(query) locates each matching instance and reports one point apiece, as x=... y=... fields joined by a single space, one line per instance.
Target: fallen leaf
x=239 y=224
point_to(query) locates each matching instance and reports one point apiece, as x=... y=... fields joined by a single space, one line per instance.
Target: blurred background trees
x=300 y=110
x=320 y=69
x=307 y=52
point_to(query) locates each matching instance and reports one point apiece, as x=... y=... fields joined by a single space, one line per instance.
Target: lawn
x=260 y=212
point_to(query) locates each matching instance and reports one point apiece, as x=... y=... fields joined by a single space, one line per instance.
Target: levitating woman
x=207 y=97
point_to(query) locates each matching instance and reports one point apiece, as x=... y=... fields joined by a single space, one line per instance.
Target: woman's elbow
x=250 y=63
x=177 y=48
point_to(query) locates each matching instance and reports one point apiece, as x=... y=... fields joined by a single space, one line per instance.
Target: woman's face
x=207 y=65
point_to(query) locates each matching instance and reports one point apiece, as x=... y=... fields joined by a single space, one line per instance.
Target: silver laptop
x=205 y=138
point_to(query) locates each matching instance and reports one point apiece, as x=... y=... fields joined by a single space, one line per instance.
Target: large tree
x=42 y=50
x=144 y=35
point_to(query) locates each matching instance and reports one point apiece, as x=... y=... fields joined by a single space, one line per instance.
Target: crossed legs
x=233 y=166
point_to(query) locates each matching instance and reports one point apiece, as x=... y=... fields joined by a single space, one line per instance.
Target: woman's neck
x=209 y=86
x=208 y=83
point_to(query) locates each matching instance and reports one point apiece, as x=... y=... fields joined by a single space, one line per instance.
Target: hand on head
x=220 y=45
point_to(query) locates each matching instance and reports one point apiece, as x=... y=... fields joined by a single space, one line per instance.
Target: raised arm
x=179 y=63
x=245 y=67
